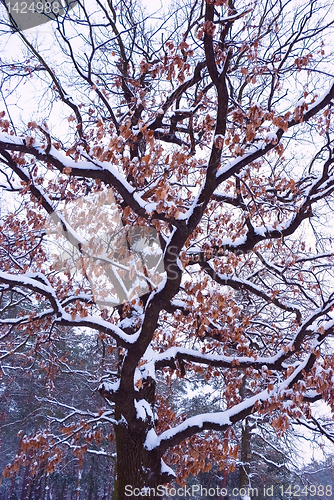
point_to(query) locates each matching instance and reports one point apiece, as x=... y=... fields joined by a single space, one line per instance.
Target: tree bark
x=245 y=454
x=136 y=467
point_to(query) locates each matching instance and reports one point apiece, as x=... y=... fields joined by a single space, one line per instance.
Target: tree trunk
x=245 y=454
x=136 y=467
x=26 y=483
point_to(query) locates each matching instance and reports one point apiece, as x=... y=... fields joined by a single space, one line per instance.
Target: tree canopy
x=167 y=184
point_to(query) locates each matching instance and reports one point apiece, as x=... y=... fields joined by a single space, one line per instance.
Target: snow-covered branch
x=38 y=282
x=222 y=420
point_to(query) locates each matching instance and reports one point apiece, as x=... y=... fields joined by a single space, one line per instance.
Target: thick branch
x=220 y=421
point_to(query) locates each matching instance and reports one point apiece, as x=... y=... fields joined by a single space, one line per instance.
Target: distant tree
x=207 y=134
x=320 y=474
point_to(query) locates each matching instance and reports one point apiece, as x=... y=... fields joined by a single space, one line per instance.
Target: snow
x=226 y=242
x=328 y=324
x=166 y=469
x=148 y=369
x=110 y=387
x=11 y=139
x=174 y=352
x=220 y=418
x=300 y=103
x=178 y=303
x=229 y=165
x=233 y=17
x=75 y=238
x=321 y=98
x=152 y=440
x=150 y=207
x=98 y=324
x=35 y=284
x=88 y=164
x=223 y=418
x=327 y=185
x=143 y=409
x=234 y=243
x=271 y=137
x=185 y=110
x=158 y=289
x=186 y=215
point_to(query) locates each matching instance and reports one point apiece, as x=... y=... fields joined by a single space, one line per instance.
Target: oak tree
x=183 y=164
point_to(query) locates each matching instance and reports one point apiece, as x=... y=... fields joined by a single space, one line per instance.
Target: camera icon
x=26 y=14
x=88 y=241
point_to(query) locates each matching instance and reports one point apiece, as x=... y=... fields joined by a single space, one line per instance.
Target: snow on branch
x=220 y=421
x=36 y=282
x=311 y=326
x=254 y=235
x=39 y=283
x=99 y=324
x=168 y=358
x=90 y=168
x=255 y=152
x=237 y=284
